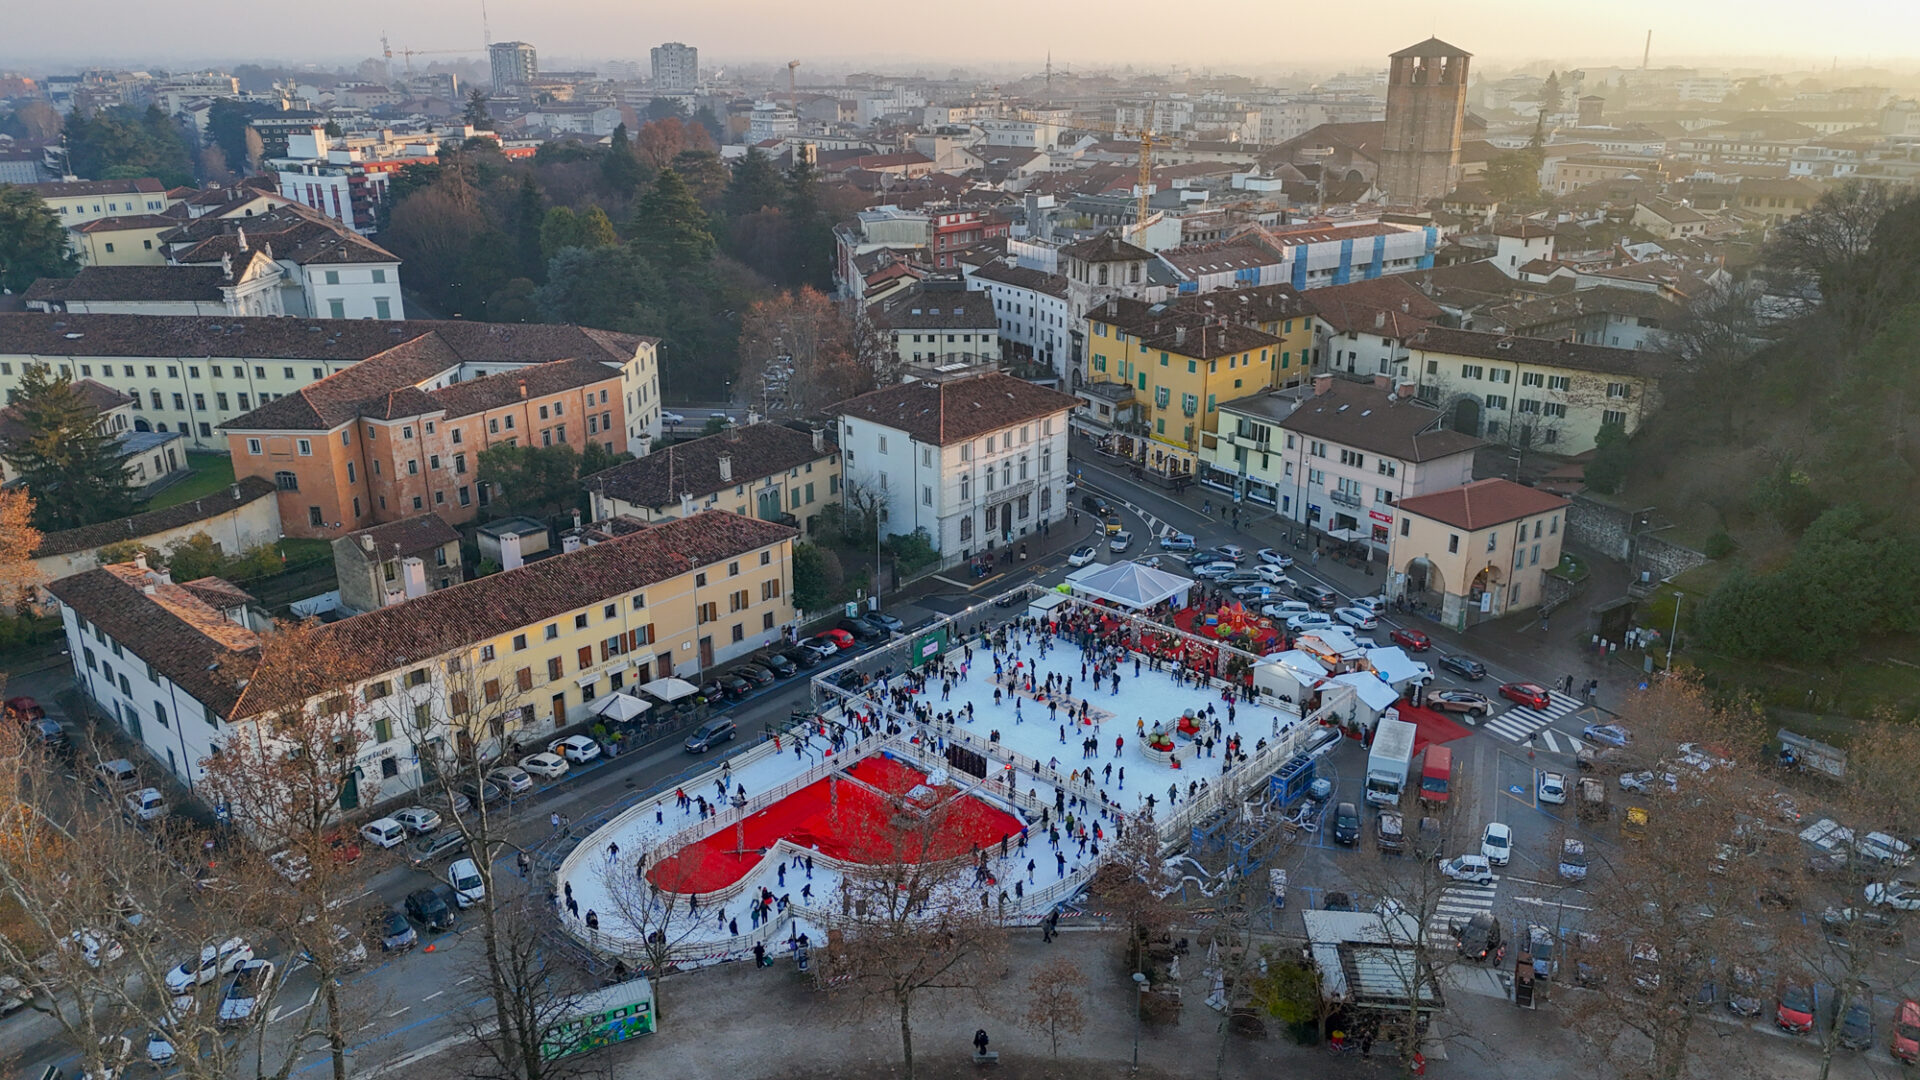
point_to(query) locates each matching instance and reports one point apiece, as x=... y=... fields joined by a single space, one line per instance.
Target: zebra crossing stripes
x=1460 y=901
x=1517 y=723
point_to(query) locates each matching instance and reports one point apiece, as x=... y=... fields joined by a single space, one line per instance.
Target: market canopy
x=669 y=689
x=620 y=707
x=1130 y=585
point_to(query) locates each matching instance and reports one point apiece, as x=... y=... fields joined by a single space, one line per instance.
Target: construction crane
x=408 y=54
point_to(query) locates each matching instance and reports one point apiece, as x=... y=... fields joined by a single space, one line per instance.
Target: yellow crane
x=408 y=54
x=1143 y=186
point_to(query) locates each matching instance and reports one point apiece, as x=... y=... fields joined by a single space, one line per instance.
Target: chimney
x=1322 y=383
x=1405 y=389
x=819 y=440
x=1379 y=319
x=1382 y=380
x=686 y=504
x=510 y=552
x=1179 y=335
x=234 y=490
x=414 y=573
x=726 y=468
x=366 y=542
x=576 y=519
x=1406 y=306
x=140 y=561
x=570 y=542
x=523 y=389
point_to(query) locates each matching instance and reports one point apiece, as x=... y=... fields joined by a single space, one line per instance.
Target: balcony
x=1345 y=498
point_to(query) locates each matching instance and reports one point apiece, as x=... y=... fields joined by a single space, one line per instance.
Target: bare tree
x=806 y=339
x=1055 y=1002
x=1133 y=882
x=647 y=902
x=287 y=773
x=522 y=1033
x=913 y=922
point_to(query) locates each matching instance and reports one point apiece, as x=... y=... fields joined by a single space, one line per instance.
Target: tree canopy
x=33 y=243
x=76 y=472
x=121 y=142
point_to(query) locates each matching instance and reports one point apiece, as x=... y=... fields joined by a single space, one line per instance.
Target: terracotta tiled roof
x=1482 y=504
x=183 y=637
x=134 y=283
x=295 y=233
x=100 y=398
x=120 y=224
x=1368 y=418
x=102 y=533
x=1162 y=327
x=1543 y=352
x=1108 y=248
x=399 y=539
x=693 y=467
x=461 y=615
x=1359 y=306
x=539 y=380
x=56 y=189
x=1260 y=303
x=952 y=412
x=1021 y=277
x=282 y=338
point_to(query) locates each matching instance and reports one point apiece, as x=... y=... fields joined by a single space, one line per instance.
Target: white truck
x=1389 y=761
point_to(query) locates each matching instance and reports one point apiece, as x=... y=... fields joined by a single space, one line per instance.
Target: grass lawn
x=211 y=473
x=297 y=550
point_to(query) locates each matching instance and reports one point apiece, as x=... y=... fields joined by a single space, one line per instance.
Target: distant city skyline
x=1784 y=35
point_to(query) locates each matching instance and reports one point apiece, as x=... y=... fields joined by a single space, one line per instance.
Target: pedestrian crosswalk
x=1517 y=723
x=1458 y=902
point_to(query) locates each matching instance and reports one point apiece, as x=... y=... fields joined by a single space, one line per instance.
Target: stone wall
x=1602 y=528
x=1661 y=558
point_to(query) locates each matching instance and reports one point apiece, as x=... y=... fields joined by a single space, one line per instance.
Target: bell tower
x=1426 y=111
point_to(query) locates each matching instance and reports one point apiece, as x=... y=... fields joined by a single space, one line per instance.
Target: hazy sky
x=1082 y=34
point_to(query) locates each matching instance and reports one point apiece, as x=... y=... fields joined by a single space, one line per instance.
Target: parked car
x=468 y=887
x=1412 y=640
x=1312 y=620
x=1465 y=702
x=1532 y=695
x=1473 y=869
x=1496 y=843
x=1743 y=992
x=1573 y=859
x=160 y=1052
x=430 y=909
x=1882 y=848
x=290 y=865
x=515 y=779
x=1612 y=735
x=1095 y=505
x=396 y=933
x=545 y=766
x=711 y=734
x=1464 y=666
x=1284 y=609
x=1255 y=592
x=1552 y=788
x=485 y=792
x=1274 y=557
x=1337 y=901
x=1083 y=555
x=801 y=656
x=23 y=710
x=1233 y=552
x=1899 y=895
x=383 y=833
x=860 y=629
x=349 y=952
x=250 y=981
x=891 y=624
x=760 y=677
x=213 y=962
x=1274 y=575
x=1844 y=924
x=1855 y=1025
x=1318 y=595
x=418 y=819
x=1906 y=1032
x=1647 y=780
x=1177 y=541
x=1794 y=1005
x=1211 y=570
x=144 y=805
x=1357 y=617
x=1375 y=603
x=842 y=639
x=780 y=664
x=426 y=849
x=1346 y=824
x=577 y=749
x=1120 y=541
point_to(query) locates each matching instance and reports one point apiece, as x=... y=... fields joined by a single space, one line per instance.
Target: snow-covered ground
x=1147 y=699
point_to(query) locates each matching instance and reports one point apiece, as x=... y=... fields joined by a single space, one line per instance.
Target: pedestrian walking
x=554 y=819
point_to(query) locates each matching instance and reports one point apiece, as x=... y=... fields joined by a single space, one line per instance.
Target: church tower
x=1426 y=110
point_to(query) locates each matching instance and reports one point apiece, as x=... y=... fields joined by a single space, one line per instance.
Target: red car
x=840 y=638
x=24 y=710
x=1906 y=1032
x=1532 y=695
x=1412 y=639
x=1794 y=1012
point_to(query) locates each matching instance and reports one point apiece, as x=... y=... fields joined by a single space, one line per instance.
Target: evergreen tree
x=705 y=118
x=669 y=228
x=525 y=216
x=33 y=243
x=76 y=472
x=809 y=247
x=755 y=185
x=1551 y=96
x=619 y=167
x=475 y=115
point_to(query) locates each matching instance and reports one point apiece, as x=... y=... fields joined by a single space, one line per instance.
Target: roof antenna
x=485 y=32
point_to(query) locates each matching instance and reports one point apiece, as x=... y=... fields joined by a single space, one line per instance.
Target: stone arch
x=140 y=423
x=1424 y=579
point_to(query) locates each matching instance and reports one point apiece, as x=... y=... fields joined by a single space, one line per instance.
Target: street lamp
x=1677 y=597
x=1139 y=1000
